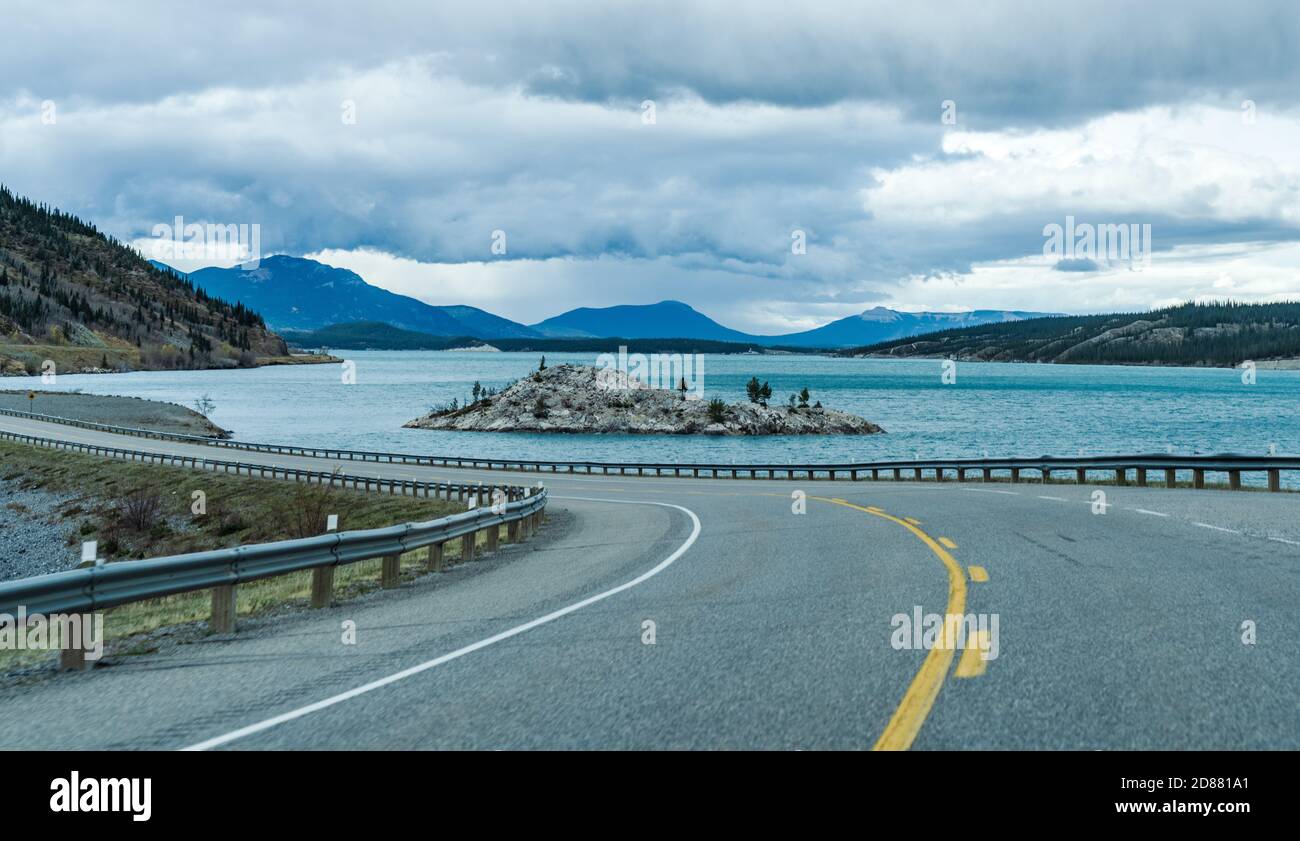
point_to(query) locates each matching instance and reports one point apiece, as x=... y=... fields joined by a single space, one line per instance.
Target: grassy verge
x=140 y=510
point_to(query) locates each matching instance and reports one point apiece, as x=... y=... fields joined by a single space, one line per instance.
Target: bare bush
x=139 y=510
x=305 y=511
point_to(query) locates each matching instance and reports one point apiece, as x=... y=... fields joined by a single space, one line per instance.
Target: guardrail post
x=390 y=575
x=467 y=546
x=988 y=474
x=1275 y=480
x=72 y=652
x=493 y=538
x=224 y=600
x=1015 y=474
x=898 y=474
x=1081 y=475
x=1121 y=476
x=512 y=531
x=322 y=586
x=961 y=474
x=916 y=474
x=1171 y=477
x=434 y=562
x=875 y=474
x=1234 y=480
x=1198 y=478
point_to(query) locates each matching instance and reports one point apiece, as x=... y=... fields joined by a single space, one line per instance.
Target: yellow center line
x=946 y=541
x=911 y=713
x=972 y=662
x=978 y=573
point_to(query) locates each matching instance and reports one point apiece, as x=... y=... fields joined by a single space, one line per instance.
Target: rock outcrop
x=579 y=398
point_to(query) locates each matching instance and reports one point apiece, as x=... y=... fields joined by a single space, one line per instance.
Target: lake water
x=994 y=408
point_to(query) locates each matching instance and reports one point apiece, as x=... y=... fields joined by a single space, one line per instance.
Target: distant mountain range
x=673 y=318
x=297 y=294
x=293 y=293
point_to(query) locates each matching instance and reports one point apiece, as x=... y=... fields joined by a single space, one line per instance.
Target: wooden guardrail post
x=72 y=652
x=390 y=573
x=1142 y=477
x=1121 y=476
x=1081 y=475
x=1234 y=480
x=1171 y=477
x=988 y=474
x=224 y=600
x=434 y=562
x=1275 y=480
x=467 y=546
x=322 y=586
x=493 y=538
x=961 y=474
x=1015 y=474
x=1198 y=478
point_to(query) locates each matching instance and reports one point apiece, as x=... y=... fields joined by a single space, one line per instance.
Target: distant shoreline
x=113 y=410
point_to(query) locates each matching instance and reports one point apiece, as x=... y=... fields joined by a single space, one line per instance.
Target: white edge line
x=1152 y=513
x=274 y=721
x=1284 y=540
x=1216 y=528
x=990 y=491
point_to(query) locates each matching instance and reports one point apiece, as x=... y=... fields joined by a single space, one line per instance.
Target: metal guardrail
x=406 y=487
x=1233 y=465
x=101 y=587
x=110 y=585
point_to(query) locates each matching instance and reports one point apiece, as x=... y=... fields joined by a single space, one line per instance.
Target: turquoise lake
x=993 y=408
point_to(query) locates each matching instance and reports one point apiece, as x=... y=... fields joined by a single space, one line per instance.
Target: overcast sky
x=528 y=119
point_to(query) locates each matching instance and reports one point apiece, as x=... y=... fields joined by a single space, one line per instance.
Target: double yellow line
x=907 y=719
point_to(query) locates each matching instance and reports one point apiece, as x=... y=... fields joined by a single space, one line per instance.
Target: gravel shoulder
x=118 y=411
x=33 y=534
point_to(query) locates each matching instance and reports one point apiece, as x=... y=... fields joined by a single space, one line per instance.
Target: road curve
x=772 y=628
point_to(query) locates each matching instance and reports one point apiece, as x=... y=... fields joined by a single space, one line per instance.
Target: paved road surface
x=772 y=629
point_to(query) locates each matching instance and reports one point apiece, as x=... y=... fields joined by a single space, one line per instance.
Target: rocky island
x=579 y=398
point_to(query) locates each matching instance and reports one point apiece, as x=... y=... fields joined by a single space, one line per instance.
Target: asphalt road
x=772 y=629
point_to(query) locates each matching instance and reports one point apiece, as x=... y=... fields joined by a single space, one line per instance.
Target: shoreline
x=137 y=412
x=1260 y=365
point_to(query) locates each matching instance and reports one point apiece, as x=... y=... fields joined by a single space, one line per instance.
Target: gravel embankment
x=33 y=537
x=118 y=411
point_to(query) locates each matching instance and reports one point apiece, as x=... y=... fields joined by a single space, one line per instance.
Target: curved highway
x=700 y=613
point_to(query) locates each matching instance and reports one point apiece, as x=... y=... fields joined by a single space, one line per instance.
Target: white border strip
x=275 y=721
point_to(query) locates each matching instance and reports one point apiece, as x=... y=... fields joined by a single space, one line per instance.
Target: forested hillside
x=87 y=302
x=1219 y=334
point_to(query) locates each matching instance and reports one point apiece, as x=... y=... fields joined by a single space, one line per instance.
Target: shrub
x=139 y=510
x=305 y=511
x=717 y=411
